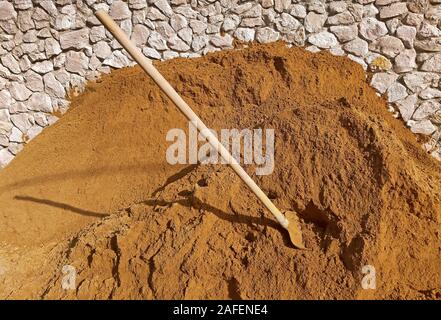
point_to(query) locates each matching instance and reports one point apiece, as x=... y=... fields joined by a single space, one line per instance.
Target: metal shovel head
x=294 y=230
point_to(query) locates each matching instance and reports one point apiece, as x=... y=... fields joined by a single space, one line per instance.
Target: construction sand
x=94 y=191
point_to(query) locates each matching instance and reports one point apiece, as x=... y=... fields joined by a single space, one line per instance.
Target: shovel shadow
x=194 y=202
x=62 y=206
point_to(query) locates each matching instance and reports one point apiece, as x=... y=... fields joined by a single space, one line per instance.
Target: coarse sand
x=94 y=191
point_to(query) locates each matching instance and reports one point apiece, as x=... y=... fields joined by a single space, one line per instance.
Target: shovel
x=289 y=220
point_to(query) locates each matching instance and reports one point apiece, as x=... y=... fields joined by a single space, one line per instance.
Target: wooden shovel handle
x=148 y=67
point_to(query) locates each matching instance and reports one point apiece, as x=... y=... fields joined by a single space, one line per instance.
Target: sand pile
x=94 y=191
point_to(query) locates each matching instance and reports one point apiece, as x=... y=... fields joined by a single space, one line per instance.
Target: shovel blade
x=294 y=230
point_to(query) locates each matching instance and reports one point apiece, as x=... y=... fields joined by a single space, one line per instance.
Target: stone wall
x=49 y=47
